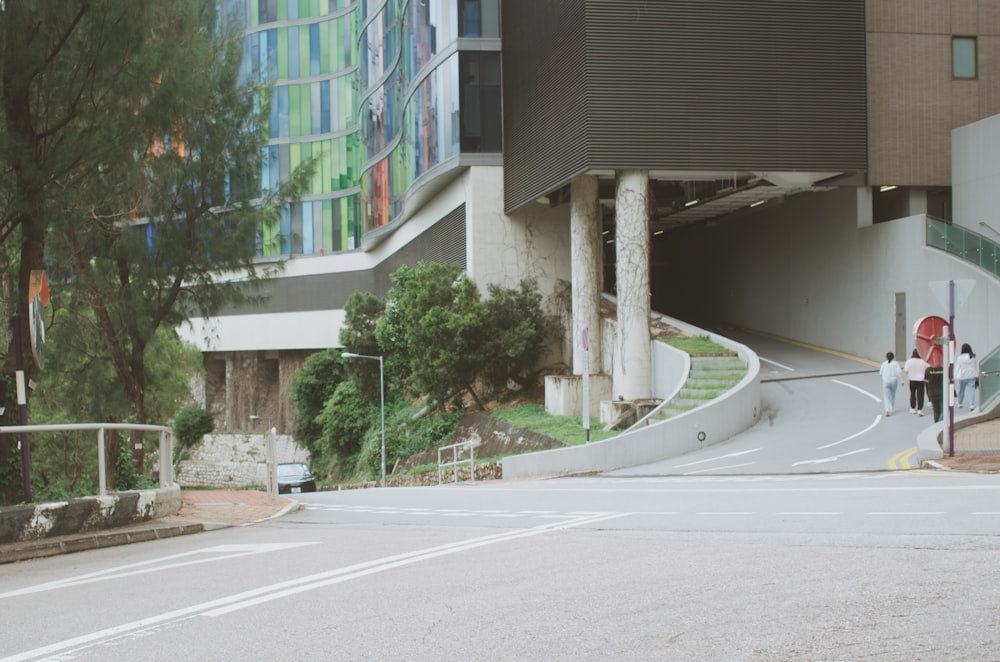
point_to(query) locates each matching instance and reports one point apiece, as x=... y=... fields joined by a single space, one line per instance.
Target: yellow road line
x=901 y=460
x=817 y=348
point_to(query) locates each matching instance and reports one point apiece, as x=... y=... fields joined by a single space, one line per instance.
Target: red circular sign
x=927 y=330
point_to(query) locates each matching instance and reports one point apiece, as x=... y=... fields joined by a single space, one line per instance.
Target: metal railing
x=166 y=465
x=985 y=254
x=456 y=460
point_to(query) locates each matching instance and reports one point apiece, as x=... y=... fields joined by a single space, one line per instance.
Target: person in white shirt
x=966 y=374
x=892 y=377
x=916 y=370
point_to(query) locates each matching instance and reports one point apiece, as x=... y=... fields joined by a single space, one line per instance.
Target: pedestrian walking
x=966 y=376
x=916 y=373
x=935 y=390
x=892 y=377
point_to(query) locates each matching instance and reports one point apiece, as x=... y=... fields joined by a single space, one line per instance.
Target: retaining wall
x=35 y=521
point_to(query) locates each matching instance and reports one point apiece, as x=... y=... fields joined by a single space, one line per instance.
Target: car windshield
x=290 y=470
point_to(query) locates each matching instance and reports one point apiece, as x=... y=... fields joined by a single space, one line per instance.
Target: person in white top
x=892 y=377
x=916 y=369
x=966 y=374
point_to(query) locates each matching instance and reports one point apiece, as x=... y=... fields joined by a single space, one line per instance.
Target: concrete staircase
x=710 y=377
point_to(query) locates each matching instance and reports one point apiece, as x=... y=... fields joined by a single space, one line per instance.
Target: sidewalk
x=201 y=510
x=977 y=448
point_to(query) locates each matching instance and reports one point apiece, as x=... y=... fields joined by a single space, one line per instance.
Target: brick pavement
x=229 y=507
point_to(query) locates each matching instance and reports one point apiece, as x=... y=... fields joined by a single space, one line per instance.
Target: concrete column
x=587 y=269
x=633 y=356
x=864 y=196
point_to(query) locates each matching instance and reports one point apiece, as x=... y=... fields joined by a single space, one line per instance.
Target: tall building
x=730 y=161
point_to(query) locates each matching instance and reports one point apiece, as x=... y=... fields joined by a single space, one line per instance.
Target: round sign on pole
x=927 y=330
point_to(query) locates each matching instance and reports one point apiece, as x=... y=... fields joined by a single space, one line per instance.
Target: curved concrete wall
x=733 y=412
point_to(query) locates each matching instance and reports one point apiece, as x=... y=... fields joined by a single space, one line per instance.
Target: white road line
x=728 y=466
x=856 y=434
x=832 y=458
x=775 y=363
x=987 y=513
x=858 y=389
x=905 y=512
x=159 y=564
x=810 y=513
x=280 y=590
x=716 y=458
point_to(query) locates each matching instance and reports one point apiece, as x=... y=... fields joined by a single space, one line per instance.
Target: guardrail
x=455 y=460
x=984 y=253
x=166 y=444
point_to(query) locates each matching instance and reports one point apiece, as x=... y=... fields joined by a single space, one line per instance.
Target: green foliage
x=191 y=424
x=517 y=330
x=127 y=477
x=568 y=429
x=439 y=337
x=313 y=384
x=361 y=314
x=700 y=346
x=345 y=419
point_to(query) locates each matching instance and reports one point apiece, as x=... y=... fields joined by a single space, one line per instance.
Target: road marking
x=810 y=513
x=901 y=460
x=856 y=434
x=858 y=389
x=222 y=606
x=906 y=512
x=716 y=458
x=775 y=363
x=159 y=564
x=728 y=466
x=832 y=458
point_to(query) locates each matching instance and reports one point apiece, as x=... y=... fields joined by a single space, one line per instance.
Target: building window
x=963 y=57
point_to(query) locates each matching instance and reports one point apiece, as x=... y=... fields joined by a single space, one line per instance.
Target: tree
x=361 y=314
x=517 y=330
x=312 y=386
x=134 y=149
x=70 y=73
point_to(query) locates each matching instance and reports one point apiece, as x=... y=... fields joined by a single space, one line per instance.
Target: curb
x=34 y=549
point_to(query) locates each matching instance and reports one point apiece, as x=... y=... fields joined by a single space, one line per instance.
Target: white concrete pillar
x=587 y=270
x=633 y=356
x=865 y=202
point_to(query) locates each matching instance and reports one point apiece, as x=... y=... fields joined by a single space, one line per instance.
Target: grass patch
x=700 y=346
x=567 y=429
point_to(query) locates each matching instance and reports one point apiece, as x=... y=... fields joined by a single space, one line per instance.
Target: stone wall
x=232 y=461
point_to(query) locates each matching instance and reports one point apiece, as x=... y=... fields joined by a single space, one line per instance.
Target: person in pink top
x=916 y=371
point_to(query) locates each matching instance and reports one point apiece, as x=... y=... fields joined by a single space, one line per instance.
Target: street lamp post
x=381 y=381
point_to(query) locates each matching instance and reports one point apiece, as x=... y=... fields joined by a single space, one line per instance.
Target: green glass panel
x=325 y=39
x=305 y=109
x=293 y=111
x=303 y=54
x=283 y=11
x=254 y=14
x=282 y=49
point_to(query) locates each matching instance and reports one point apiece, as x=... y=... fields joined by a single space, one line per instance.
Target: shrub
x=191 y=424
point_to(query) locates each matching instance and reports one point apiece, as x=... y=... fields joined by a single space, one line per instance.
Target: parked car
x=295 y=477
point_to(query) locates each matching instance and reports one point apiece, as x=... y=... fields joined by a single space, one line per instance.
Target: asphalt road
x=821 y=413
x=793 y=541
x=887 y=566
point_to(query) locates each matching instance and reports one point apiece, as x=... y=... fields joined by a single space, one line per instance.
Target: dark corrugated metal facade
x=707 y=85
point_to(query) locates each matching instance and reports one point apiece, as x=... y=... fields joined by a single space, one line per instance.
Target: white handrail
x=471 y=460
x=166 y=444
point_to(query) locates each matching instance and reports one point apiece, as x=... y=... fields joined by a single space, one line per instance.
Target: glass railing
x=964 y=243
x=984 y=253
x=989 y=378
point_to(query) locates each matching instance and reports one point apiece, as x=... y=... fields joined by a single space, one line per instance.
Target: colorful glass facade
x=377 y=93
